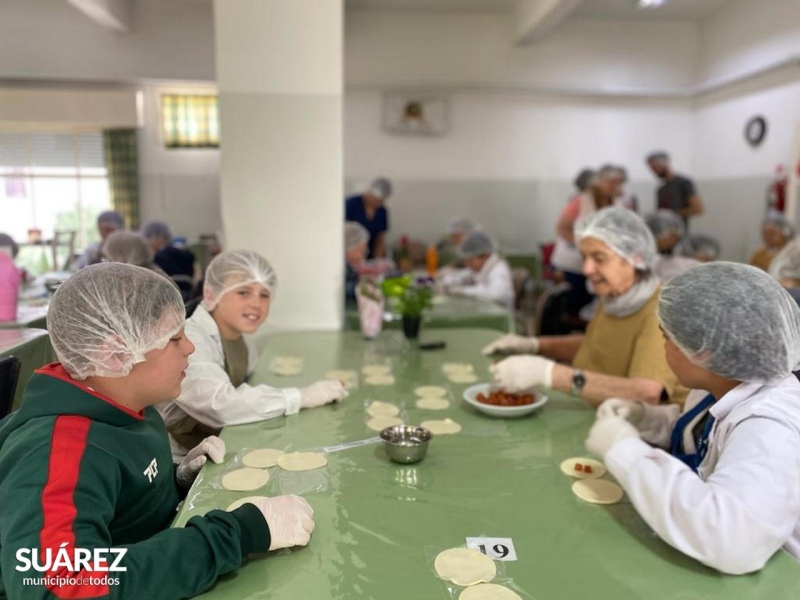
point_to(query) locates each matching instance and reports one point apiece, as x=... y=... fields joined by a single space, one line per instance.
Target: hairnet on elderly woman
x=733 y=320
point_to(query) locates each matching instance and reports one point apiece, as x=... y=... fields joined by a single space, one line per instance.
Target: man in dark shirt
x=176 y=262
x=677 y=193
x=368 y=209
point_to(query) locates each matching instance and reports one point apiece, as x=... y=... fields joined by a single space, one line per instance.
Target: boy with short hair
x=85 y=465
x=236 y=298
x=728 y=492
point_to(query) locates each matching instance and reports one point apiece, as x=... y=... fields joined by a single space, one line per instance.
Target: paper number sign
x=496 y=548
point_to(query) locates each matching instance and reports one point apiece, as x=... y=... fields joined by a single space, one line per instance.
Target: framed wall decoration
x=415 y=114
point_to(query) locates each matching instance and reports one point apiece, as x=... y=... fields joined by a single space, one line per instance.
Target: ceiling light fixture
x=649 y=3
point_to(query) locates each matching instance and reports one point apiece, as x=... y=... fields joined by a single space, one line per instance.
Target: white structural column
x=279 y=68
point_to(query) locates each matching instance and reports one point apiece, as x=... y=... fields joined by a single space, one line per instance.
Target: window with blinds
x=52 y=181
x=189 y=121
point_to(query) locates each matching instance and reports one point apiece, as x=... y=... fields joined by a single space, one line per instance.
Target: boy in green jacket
x=87 y=484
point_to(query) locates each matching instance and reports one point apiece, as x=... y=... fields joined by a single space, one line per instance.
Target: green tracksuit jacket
x=81 y=472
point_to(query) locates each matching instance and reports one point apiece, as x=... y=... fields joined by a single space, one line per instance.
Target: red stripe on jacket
x=58 y=503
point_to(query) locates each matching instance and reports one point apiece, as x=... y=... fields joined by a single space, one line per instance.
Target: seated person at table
x=776 y=231
x=457 y=230
x=176 y=262
x=85 y=462
x=702 y=248
x=131 y=248
x=621 y=352
x=236 y=297
x=355 y=263
x=668 y=229
x=728 y=492
x=107 y=223
x=487 y=274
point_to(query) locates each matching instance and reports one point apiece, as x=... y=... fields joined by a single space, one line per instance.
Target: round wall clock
x=755 y=130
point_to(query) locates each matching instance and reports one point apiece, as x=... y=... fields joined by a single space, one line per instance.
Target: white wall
x=397 y=49
x=508 y=160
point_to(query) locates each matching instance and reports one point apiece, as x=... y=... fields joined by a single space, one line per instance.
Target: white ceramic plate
x=471 y=396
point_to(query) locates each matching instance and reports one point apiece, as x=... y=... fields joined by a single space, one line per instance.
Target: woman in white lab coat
x=725 y=488
x=487 y=274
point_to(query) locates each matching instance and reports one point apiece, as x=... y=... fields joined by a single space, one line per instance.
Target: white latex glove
x=510 y=343
x=521 y=372
x=212 y=447
x=322 y=392
x=607 y=432
x=290 y=520
x=630 y=410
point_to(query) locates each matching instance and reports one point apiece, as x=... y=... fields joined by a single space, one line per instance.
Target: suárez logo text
x=71 y=559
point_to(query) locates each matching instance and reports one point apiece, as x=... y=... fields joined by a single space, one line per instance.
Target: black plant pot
x=411 y=327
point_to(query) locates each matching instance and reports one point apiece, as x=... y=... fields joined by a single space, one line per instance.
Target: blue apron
x=701 y=443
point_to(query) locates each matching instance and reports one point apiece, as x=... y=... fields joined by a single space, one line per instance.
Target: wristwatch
x=578 y=381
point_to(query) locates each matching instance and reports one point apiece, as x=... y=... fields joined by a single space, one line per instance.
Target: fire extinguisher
x=776 y=192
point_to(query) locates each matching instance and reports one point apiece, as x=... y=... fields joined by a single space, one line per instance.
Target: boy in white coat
x=728 y=492
x=236 y=297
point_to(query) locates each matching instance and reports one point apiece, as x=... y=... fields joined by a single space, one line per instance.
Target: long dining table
x=379 y=525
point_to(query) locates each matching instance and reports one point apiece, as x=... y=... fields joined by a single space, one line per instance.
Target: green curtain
x=122 y=164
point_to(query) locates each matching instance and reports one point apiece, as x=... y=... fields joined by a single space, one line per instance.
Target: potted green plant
x=410 y=298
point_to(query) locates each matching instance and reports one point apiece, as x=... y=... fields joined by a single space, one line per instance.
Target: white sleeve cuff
x=624 y=455
x=293 y=398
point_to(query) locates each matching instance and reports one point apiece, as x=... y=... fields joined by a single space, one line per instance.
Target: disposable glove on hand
x=511 y=343
x=607 y=432
x=630 y=410
x=322 y=392
x=290 y=520
x=520 y=372
x=212 y=447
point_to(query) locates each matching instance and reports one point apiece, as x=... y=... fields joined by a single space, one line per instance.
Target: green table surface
x=379 y=524
x=29 y=314
x=33 y=349
x=449 y=312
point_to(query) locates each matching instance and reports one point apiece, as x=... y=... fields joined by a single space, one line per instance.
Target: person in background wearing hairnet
x=356 y=238
x=624 y=198
x=85 y=462
x=457 y=229
x=107 y=223
x=178 y=263
x=677 y=193
x=238 y=290
x=602 y=191
x=776 y=231
x=130 y=248
x=668 y=229
x=785 y=267
x=621 y=352
x=369 y=210
x=487 y=274
x=702 y=248
x=725 y=488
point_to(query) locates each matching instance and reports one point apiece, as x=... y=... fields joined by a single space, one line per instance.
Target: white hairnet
x=624 y=232
x=355 y=234
x=461 y=225
x=111 y=217
x=233 y=269
x=733 y=320
x=781 y=223
x=658 y=156
x=106 y=317
x=381 y=187
x=157 y=229
x=786 y=264
x=128 y=247
x=476 y=243
x=699 y=246
x=665 y=222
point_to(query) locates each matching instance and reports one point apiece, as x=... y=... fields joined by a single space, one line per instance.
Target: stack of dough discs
x=244 y=480
x=287 y=365
x=453 y=368
x=431 y=403
x=381 y=423
x=597 y=491
x=238 y=503
x=382 y=409
x=465 y=377
x=464 y=566
x=380 y=379
x=372 y=370
x=430 y=391
x=488 y=591
x=568 y=467
x=302 y=461
x=442 y=427
x=262 y=458
x=348 y=378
